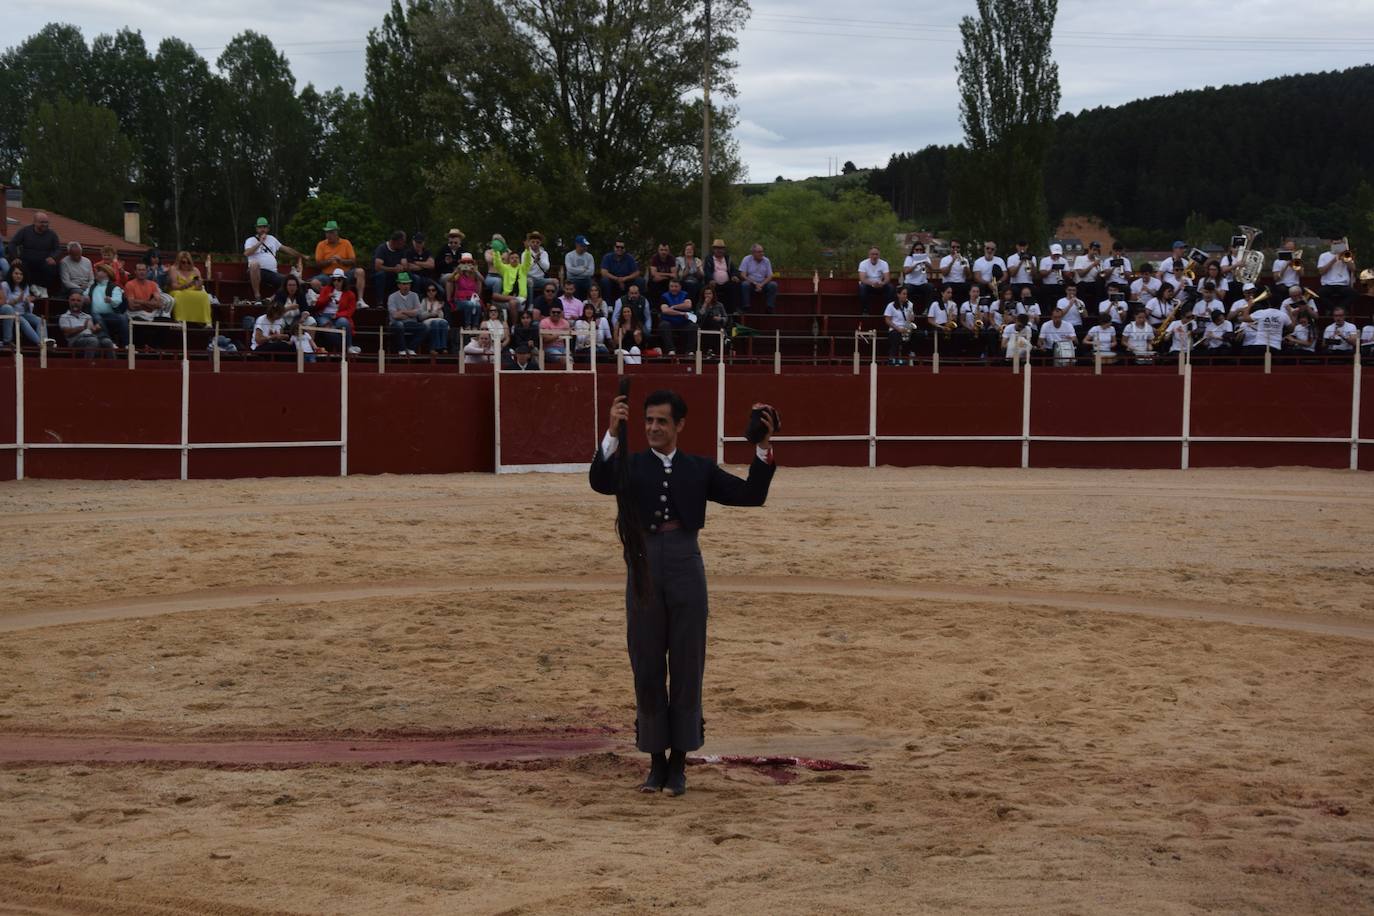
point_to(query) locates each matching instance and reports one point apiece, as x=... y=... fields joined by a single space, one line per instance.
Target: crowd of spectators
x=529 y=306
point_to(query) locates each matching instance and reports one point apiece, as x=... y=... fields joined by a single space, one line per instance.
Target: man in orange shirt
x=334 y=252
x=145 y=301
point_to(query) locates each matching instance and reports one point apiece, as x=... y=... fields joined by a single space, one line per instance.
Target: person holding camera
x=261 y=249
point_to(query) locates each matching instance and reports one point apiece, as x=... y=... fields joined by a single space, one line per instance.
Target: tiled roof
x=69 y=230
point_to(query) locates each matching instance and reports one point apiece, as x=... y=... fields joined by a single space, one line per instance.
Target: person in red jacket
x=336 y=308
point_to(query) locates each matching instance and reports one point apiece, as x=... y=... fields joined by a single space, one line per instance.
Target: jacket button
x=665 y=483
x=663 y=499
x=667 y=470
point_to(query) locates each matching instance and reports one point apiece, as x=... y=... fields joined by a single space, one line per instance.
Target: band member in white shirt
x=1021 y=268
x=1161 y=308
x=1087 y=269
x=976 y=317
x=1337 y=275
x=1268 y=329
x=875 y=280
x=1171 y=269
x=1298 y=301
x=1180 y=335
x=941 y=312
x=900 y=318
x=1217 y=333
x=1146 y=286
x=1211 y=273
x=990 y=270
x=1284 y=270
x=1367 y=341
x=1207 y=302
x=1249 y=292
x=1301 y=337
x=1102 y=338
x=1340 y=335
x=1055 y=330
x=916 y=276
x=1028 y=306
x=1138 y=337
x=1228 y=264
x=1075 y=309
x=1016 y=338
x=1115 y=307
x=954 y=269
x=1054 y=270
x=1117 y=268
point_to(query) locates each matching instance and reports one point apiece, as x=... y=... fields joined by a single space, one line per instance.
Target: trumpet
x=1348 y=256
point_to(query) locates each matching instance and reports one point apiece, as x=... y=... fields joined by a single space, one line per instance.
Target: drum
x=1143 y=357
x=1064 y=353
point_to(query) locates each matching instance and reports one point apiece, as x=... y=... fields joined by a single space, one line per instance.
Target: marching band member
x=1229 y=262
x=1115 y=308
x=1340 y=335
x=1212 y=274
x=1298 y=302
x=1301 y=339
x=1117 y=270
x=900 y=319
x=939 y=314
x=1102 y=338
x=1075 y=310
x=1146 y=286
x=916 y=276
x=1367 y=340
x=1016 y=337
x=1087 y=268
x=1249 y=292
x=976 y=317
x=1021 y=268
x=1263 y=330
x=1337 y=273
x=1027 y=306
x=1055 y=330
x=1053 y=268
x=990 y=270
x=1162 y=306
x=1138 y=337
x=1217 y=333
x=1180 y=335
x=1207 y=302
x=1284 y=269
x=954 y=271
x=1171 y=268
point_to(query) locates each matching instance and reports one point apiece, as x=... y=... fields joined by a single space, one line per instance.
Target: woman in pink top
x=465 y=298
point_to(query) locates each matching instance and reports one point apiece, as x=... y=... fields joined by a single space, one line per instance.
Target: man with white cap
x=1054 y=268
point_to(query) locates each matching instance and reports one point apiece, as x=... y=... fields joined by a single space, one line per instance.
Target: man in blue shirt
x=675 y=318
x=756 y=276
x=617 y=270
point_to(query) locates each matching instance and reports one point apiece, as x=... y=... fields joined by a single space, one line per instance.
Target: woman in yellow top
x=192 y=301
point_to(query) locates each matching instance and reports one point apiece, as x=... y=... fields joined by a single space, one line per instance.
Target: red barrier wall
x=443 y=422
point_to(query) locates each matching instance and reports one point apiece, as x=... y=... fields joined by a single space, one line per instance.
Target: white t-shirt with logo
x=983 y=268
x=1213 y=334
x=266 y=255
x=1338 y=275
x=873 y=273
x=915 y=270
x=1338 y=339
x=1269 y=325
x=1138 y=338
x=954 y=270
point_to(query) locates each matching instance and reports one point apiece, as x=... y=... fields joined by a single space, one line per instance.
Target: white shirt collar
x=666 y=459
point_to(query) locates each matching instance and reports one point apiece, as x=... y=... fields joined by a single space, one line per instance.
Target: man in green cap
x=403 y=308
x=335 y=253
x=261 y=249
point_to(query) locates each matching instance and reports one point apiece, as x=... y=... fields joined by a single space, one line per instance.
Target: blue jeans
x=343 y=324
x=116 y=327
x=406 y=333
x=747 y=294
x=31 y=326
x=436 y=329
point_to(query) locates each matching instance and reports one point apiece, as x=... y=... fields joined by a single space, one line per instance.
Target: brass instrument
x=1164 y=325
x=1297 y=260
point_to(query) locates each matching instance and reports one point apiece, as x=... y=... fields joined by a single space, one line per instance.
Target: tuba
x=1249 y=263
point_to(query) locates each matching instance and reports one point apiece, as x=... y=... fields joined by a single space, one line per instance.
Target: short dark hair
x=671 y=398
x=398 y=236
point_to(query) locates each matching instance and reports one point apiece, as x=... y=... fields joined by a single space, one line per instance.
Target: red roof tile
x=69 y=230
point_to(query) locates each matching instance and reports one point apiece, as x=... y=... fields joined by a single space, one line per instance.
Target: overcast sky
x=855 y=82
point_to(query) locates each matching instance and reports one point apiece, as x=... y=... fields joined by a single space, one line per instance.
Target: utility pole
x=705 y=250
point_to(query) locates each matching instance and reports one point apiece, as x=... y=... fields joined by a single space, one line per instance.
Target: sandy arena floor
x=1123 y=692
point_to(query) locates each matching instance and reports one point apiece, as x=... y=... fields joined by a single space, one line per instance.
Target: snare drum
x=1064 y=353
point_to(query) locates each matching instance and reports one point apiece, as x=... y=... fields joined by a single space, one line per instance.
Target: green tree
x=50 y=64
x=801 y=228
x=180 y=162
x=1008 y=98
x=357 y=223
x=76 y=162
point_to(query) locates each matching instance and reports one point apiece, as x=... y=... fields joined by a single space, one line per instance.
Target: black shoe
x=677 y=774
x=658 y=774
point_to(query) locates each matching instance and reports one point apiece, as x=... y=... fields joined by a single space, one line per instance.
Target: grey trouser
x=667 y=643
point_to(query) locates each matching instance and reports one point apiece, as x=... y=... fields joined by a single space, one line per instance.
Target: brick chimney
x=132 y=230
